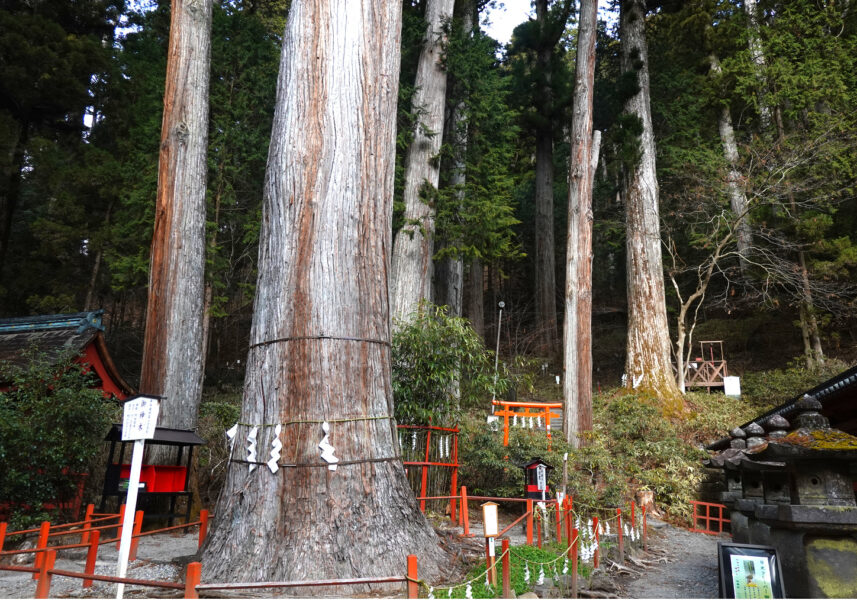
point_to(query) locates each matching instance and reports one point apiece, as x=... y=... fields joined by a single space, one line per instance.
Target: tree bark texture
x=734 y=179
x=475 y=296
x=577 y=325
x=414 y=246
x=757 y=55
x=648 y=366
x=320 y=339
x=173 y=361
x=545 y=266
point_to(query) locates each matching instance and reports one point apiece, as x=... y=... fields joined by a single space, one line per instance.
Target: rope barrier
x=342 y=463
x=321 y=337
x=316 y=421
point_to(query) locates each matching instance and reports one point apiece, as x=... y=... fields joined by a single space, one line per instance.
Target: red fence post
x=43 y=587
x=424 y=483
x=135 y=541
x=597 y=554
x=191 y=579
x=621 y=536
x=465 y=513
x=87 y=524
x=574 y=550
x=529 y=522
x=91 y=556
x=507 y=571
x=413 y=577
x=203 y=526
x=568 y=523
x=453 y=505
x=2 y=535
x=44 y=532
x=119 y=530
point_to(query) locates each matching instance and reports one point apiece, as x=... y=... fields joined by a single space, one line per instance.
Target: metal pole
x=497 y=356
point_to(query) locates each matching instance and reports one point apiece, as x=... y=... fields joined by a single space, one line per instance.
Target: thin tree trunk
x=96 y=267
x=320 y=340
x=10 y=195
x=648 y=364
x=734 y=179
x=757 y=55
x=583 y=161
x=545 y=263
x=414 y=246
x=173 y=361
x=475 y=297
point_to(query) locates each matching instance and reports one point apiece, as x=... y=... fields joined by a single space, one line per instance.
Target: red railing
x=708 y=518
x=443 y=454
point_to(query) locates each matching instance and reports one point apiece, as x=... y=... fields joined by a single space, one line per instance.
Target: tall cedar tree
x=413 y=249
x=320 y=341
x=173 y=356
x=577 y=334
x=648 y=365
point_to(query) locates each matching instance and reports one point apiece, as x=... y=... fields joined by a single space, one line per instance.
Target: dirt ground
x=679 y=564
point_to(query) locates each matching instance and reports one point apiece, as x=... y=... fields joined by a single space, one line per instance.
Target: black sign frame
x=768 y=555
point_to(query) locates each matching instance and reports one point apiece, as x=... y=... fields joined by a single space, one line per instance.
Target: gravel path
x=686 y=565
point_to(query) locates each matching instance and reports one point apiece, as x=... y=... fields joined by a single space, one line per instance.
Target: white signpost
x=138 y=424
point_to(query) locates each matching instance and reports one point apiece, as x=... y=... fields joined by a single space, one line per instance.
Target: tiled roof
x=51 y=334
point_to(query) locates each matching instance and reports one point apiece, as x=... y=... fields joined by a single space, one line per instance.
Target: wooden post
x=575 y=543
x=529 y=522
x=87 y=523
x=489 y=563
x=620 y=536
x=91 y=556
x=596 y=556
x=568 y=522
x=539 y=531
x=465 y=513
x=119 y=531
x=454 y=485
x=203 y=526
x=191 y=580
x=645 y=531
x=507 y=570
x=413 y=577
x=43 y=587
x=506 y=412
x=633 y=515
x=138 y=528
x=41 y=544
x=424 y=484
x=2 y=534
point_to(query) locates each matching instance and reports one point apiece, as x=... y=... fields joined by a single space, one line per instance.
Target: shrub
x=767 y=389
x=440 y=365
x=52 y=426
x=217 y=413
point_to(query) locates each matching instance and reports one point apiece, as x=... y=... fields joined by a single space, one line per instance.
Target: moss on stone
x=821 y=439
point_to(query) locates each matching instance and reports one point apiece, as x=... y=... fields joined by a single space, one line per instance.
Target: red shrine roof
x=55 y=335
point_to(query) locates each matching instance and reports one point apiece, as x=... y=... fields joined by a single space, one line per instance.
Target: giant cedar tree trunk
x=320 y=340
x=648 y=366
x=757 y=55
x=475 y=298
x=577 y=333
x=173 y=361
x=414 y=246
x=545 y=266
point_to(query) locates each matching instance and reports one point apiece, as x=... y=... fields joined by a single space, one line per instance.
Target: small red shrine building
x=80 y=333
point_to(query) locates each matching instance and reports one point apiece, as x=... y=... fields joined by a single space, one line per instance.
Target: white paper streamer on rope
x=565 y=566
x=526 y=572
x=541 y=579
x=276 y=446
x=539 y=422
x=413 y=440
x=251 y=448
x=531 y=422
x=607 y=528
x=487 y=583
x=431 y=593
x=449 y=593
x=326 y=449
x=555 y=574
x=515 y=420
x=468 y=593
x=230 y=435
